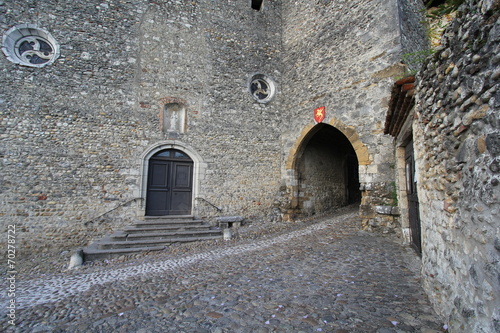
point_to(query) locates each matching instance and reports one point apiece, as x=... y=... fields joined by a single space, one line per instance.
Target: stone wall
x=70 y=130
x=75 y=133
x=322 y=170
x=414 y=35
x=205 y=55
x=457 y=136
x=343 y=55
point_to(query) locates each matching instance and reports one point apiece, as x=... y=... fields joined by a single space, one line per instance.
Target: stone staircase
x=151 y=234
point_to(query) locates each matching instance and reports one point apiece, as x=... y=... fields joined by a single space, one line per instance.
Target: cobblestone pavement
x=325 y=276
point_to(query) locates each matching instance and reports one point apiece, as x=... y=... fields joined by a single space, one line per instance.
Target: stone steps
x=142 y=243
x=151 y=234
x=163 y=221
x=172 y=234
x=145 y=227
x=91 y=254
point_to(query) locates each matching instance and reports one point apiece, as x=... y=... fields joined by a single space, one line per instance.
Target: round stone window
x=261 y=88
x=28 y=45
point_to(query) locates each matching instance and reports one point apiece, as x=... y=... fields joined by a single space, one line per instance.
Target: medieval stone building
x=266 y=109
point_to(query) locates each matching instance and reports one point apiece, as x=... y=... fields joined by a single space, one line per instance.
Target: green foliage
x=414 y=60
x=394 y=194
x=445 y=8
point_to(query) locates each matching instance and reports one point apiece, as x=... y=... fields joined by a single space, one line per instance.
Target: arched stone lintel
x=293 y=151
x=353 y=137
x=349 y=131
x=172 y=144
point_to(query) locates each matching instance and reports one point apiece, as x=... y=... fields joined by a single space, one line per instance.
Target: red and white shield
x=319 y=114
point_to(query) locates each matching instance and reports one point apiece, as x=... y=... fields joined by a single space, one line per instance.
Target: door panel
x=182 y=176
x=170 y=180
x=413 y=204
x=182 y=189
x=181 y=203
x=157 y=203
x=157 y=200
x=159 y=172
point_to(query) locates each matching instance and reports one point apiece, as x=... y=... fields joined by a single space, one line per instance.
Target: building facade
x=91 y=102
x=265 y=109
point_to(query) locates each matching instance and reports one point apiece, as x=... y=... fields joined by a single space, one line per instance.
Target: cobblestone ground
x=324 y=276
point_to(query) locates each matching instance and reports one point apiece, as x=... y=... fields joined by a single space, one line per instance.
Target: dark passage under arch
x=327 y=171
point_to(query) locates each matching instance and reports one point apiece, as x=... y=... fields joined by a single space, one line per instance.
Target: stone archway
x=323 y=169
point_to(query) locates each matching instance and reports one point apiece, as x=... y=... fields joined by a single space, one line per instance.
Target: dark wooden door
x=413 y=205
x=170 y=188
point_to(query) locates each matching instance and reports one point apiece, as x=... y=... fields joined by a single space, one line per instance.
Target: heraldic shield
x=319 y=114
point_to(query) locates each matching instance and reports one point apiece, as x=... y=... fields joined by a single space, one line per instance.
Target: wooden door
x=170 y=188
x=413 y=205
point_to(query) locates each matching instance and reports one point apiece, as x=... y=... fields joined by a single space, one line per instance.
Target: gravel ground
x=44 y=264
x=322 y=274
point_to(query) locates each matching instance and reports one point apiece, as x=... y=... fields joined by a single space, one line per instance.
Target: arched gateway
x=323 y=169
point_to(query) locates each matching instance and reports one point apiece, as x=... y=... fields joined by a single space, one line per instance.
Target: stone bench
x=225 y=222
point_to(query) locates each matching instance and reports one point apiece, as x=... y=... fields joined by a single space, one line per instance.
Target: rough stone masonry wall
x=74 y=133
x=457 y=147
x=343 y=55
x=69 y=130
x=205 y=55
x=414 y=39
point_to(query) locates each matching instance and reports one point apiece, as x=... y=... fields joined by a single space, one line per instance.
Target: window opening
x=171 y=153
x=28 y=45
x=257 y=4
x=261 y=88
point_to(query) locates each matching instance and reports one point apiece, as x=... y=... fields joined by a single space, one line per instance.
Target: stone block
x=387 y=210
x=229 y=221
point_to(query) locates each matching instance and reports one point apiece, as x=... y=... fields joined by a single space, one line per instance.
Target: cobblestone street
x=325 y=276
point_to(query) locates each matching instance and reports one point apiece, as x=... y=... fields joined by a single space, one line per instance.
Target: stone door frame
x=199 y=170
x=401 y=141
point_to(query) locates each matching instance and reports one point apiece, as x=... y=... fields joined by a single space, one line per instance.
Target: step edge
x=177 y=232
x=122 y=250
x=166 y=240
